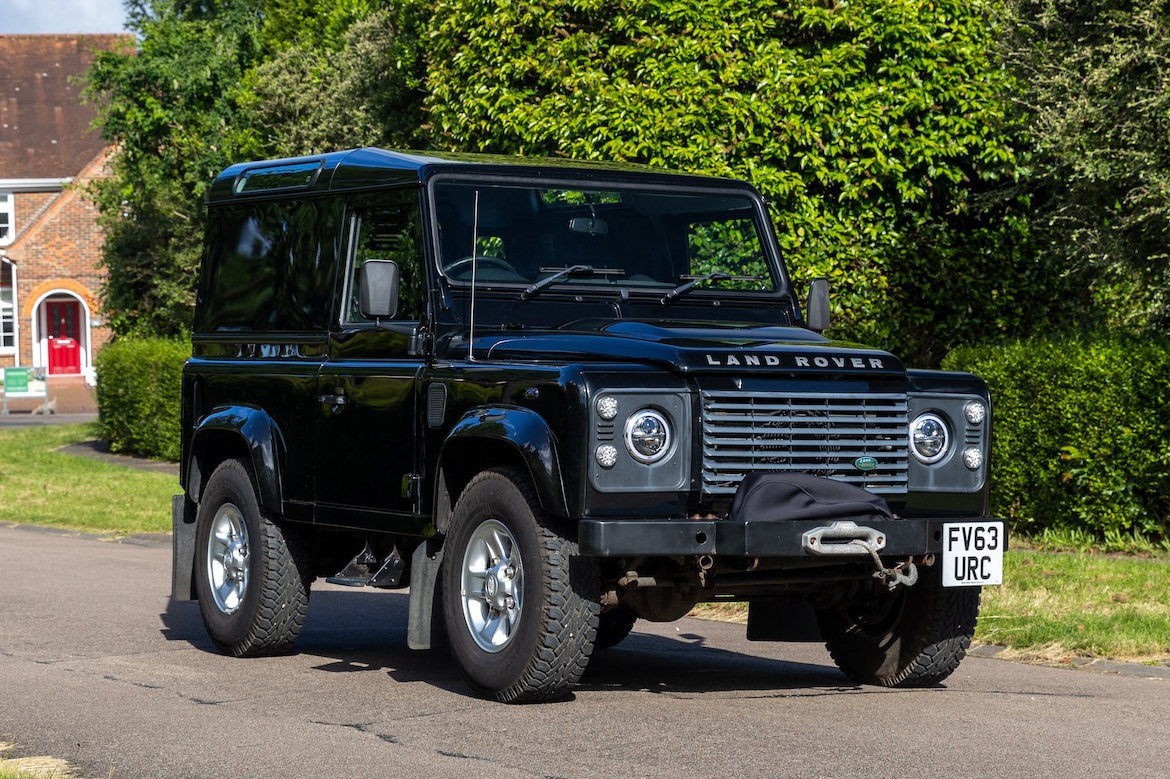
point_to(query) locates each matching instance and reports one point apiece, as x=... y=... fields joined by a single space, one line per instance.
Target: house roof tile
x=44 y=127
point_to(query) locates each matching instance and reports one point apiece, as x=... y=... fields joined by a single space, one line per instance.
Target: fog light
x=606 y=455
x=607 y=407
x=975 y=412
x=973 y=458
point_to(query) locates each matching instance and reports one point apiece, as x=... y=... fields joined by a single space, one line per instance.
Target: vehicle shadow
x=364 y=631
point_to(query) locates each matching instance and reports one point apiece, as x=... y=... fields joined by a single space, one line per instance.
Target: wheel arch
x=243 y=432
x=499 y=437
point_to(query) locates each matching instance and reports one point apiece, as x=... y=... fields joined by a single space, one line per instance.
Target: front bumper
x=742 y=538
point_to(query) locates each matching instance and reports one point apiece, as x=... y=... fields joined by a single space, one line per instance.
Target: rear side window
x=269 y=266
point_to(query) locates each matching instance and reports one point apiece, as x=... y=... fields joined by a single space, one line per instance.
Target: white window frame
x=8 y=209
x=11 y=305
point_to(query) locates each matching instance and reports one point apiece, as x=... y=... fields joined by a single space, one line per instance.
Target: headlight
x=929 y=438
x=648 y=436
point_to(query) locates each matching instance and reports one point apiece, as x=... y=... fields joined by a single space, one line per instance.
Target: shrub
x=876 y=129
x=1082 y=440
x=138 y=392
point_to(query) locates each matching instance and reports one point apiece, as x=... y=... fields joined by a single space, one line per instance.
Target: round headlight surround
x=648 y=435
x=930 y=438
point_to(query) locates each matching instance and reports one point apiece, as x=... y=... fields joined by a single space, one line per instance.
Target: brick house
x=50 y=242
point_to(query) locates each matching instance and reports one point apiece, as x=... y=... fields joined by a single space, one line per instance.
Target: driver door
x=367 y=428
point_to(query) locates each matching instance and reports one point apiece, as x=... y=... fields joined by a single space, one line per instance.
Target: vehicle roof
x=370 y=168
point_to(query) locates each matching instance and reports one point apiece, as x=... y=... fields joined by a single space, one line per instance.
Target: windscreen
x=635 y=238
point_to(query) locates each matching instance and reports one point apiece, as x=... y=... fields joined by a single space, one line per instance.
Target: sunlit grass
x=1080 y=604
x=32 y=767
x=41 y=486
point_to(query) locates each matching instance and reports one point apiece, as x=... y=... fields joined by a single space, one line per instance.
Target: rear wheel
x=520 y=607
x=613 y=626
x=914 y=637
x=251 y=572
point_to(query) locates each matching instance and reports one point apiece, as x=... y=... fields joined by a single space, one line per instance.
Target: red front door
x=63 y=320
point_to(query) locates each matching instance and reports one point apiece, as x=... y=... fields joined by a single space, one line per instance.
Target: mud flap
x=183 y=513
x=770 y=620
x=424 y=629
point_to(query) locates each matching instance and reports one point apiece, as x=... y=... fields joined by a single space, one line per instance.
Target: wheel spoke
x=496 y=630
x=227 y=558
x=490 y=586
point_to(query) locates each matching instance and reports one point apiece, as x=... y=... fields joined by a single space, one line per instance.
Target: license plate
x=972 y=554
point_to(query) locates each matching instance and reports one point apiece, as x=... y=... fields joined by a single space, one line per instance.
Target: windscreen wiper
x=687 y=286
x=564 y=273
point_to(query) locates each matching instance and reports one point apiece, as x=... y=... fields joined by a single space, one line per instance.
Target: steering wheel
x=460 y=266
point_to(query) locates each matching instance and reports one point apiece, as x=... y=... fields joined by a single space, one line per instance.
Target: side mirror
x=818 y=305
x=378 y=294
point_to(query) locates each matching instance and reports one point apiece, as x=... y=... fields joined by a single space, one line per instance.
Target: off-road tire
x=914 y=637
x=269 y=612
x=550 y=639
x=613 y=626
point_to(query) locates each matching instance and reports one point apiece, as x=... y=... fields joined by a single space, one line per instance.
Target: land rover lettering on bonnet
x=553 y=399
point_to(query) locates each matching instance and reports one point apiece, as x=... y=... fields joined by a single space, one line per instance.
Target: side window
x=390 y=230
x=269 y=266
x=730 y=246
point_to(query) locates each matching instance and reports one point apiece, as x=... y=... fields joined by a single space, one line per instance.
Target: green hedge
x=1081 y=433
x=876 y=128
x=138 y=390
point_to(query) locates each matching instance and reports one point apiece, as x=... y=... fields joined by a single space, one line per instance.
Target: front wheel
x=251 y=572
x=520 y=606
x=914 y=637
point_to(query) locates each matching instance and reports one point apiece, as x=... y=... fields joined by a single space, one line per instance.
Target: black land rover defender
x=553 y=399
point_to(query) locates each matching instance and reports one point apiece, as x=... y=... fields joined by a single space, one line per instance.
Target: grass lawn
x=41 y=486
x=32 y=767
x=1057 y=605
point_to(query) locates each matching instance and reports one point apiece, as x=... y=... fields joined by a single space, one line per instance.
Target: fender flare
x=525 y=431
x=257 y=433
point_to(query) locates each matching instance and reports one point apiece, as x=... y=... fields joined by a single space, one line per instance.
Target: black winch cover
x=771 y=496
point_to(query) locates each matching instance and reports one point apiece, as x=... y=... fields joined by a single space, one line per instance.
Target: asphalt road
x=97 y=666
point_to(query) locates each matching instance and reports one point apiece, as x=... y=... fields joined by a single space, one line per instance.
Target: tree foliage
x=308 y=100
x=872 y=126
x=1094 y=96
x=876 y=128
x=170 y=109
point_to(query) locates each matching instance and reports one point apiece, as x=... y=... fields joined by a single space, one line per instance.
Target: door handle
x=333 y=400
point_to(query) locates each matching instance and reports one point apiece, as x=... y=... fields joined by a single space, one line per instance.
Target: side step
x=358 y=572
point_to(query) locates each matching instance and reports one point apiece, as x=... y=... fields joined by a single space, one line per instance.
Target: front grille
x=822 y=434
